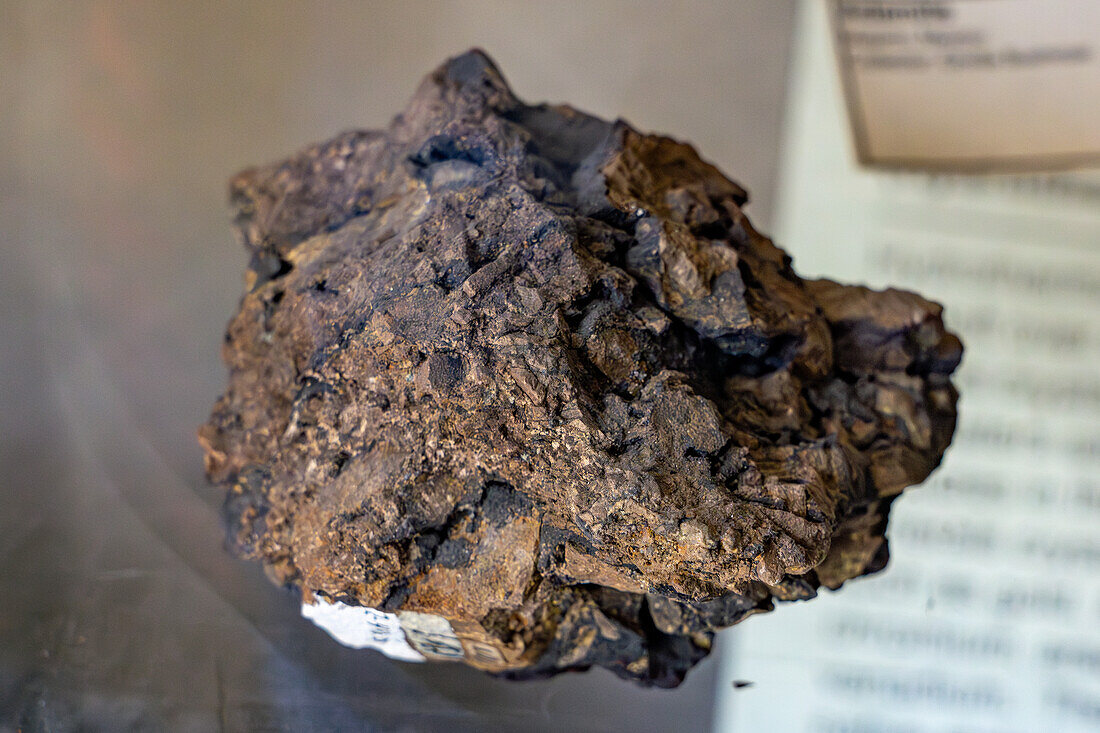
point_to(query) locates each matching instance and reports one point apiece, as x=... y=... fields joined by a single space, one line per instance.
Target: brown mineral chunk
x=530 y=380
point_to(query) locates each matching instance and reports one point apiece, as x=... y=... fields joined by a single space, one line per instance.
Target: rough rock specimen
x=530 y=380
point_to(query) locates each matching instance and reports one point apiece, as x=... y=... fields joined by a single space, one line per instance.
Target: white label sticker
x=360 y=627
x=432 y=635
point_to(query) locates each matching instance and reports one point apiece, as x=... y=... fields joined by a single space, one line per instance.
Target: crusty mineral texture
x=530 y=382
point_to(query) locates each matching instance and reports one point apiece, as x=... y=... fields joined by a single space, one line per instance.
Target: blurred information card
x=972 y=84
x=987 y=619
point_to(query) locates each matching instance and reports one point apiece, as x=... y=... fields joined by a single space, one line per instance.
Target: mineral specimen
x=515 y=385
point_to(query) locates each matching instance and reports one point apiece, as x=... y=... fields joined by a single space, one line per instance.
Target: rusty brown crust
x=535 y=372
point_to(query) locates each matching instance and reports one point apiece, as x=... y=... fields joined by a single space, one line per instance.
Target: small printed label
x=961 y=85
x=360 y=627
x=432 y=635
x=408 y=635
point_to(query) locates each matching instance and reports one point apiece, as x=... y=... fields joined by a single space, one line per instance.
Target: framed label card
x=972 y=85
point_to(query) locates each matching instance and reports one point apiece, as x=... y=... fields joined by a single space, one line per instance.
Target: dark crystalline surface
x=530 y=379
